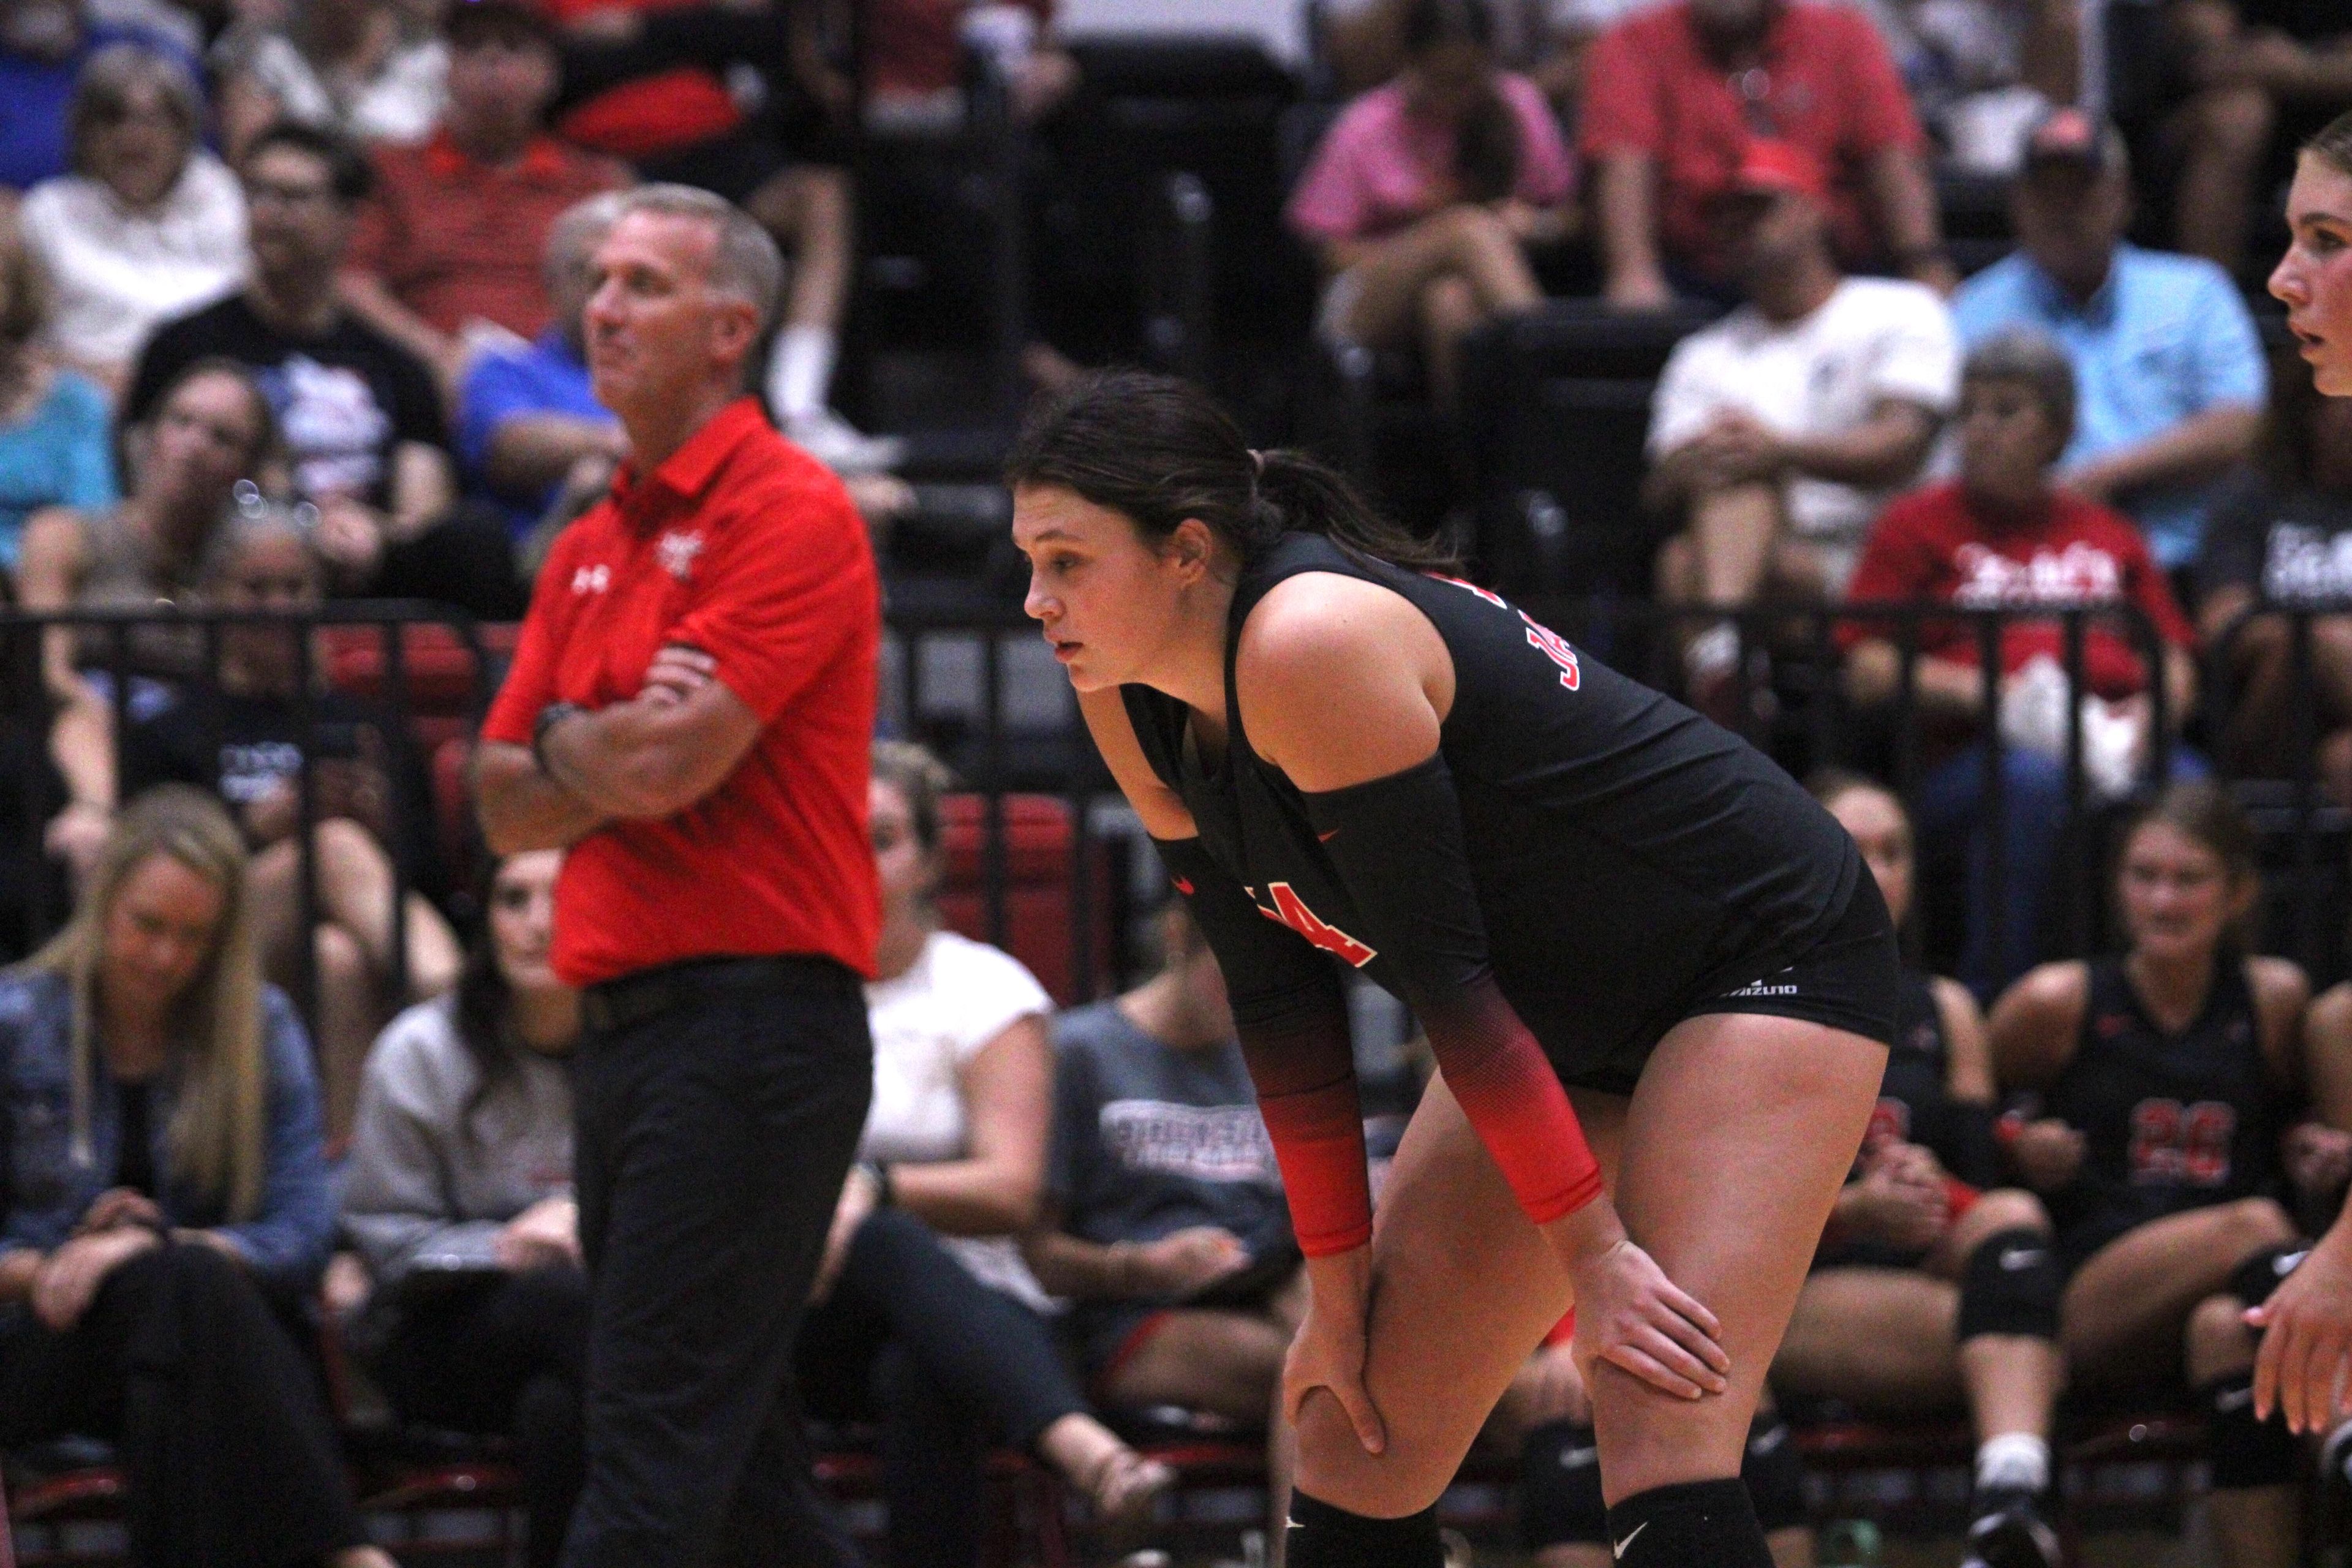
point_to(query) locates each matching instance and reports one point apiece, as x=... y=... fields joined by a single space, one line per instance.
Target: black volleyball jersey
x=1631 y=860
x=2173 y=1122
x=1912 y=1102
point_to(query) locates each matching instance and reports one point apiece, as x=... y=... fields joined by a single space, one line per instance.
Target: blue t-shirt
x=546 y=378
x=34 y=93
x=56 y=455
x=2165 y=338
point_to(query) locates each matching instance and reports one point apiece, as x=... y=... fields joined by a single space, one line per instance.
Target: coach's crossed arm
x=652 y=756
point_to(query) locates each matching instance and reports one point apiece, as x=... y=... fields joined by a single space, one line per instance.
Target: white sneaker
x=842 y=446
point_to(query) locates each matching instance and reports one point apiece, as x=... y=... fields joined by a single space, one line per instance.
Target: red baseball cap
x=1768 y=163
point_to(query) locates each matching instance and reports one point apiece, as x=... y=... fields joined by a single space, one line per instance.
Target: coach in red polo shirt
x=689 y=713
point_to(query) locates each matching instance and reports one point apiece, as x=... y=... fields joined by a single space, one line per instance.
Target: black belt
x=650 y=992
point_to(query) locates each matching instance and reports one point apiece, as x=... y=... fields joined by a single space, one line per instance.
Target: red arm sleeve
x=1293 y=1023
x=1397 y=845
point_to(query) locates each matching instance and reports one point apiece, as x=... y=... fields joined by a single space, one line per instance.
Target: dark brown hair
x=2333 y=144
x=1158 y=450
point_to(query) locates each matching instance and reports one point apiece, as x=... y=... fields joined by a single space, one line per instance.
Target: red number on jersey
x=2172 y=1143
x=1555 y=647
x=1292 y=911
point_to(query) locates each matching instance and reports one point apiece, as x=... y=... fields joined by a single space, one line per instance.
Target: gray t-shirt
x=1148 y=1140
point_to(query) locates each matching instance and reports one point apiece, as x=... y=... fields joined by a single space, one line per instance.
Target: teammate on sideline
x=1585 y=891
x=2304 y=1365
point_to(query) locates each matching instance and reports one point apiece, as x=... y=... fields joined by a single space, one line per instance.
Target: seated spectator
x=445 y=255
x=530 y=429
x=170 y=1208
x=1166 y=1223
x=2004 y=535
x=348 y=67
x=2167 y=1078
x=212 y=428
x=2252 y=77
x=1776 y=433
x=149 y=224
x=1423 y=191
x=1981 y=71
x=458 y=1195
x=44 y=45
x=2166 y=358
x=1935 y=1282
x=361 y=419
x=673 y=117
x=1675 y=93
x=54 y=446
x=2282 y=536
x=923 y=1304
x=243 y=736
x=914 y=59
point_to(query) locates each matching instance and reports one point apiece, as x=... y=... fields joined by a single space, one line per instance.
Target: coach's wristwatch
x=551 y=715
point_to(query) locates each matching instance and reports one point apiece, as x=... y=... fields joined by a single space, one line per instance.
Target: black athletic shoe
x=2009 y=1532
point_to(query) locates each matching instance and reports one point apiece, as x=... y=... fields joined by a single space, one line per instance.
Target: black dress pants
x=712 y=1141
x=224 y=1438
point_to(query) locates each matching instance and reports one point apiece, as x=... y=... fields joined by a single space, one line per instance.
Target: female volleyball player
x=2306 y=1350
x=1647 y=962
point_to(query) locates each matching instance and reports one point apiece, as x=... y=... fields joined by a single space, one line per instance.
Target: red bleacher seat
x=442 y=673
x=1038 y=903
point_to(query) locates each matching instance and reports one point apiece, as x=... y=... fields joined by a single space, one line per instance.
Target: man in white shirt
x=1778 y=433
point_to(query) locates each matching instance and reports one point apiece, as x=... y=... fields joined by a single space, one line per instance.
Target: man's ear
x=735 y=331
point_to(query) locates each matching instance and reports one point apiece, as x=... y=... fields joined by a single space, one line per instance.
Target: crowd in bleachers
x=1949 y=303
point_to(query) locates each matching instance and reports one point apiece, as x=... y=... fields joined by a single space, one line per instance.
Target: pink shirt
x=1382 y=167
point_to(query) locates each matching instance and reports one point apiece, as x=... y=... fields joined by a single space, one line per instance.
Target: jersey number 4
x=2172 y=1143
x=1291 y=909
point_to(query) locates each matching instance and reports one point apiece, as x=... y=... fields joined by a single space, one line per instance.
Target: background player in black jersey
x=2168 y=1075
x=1547 y=861
x=2307 y=1323
x=1934 y=1281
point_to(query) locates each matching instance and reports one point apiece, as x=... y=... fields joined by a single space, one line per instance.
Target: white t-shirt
x=1873 y=338
x=402 y=102
x=928 y=1022
x=116 y=274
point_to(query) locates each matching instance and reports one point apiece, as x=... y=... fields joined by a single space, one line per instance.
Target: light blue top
x=59 y=455
x=2166 y=337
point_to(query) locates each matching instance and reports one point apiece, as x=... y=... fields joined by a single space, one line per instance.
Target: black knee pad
x=2010 y=1285
x=1321 y=1536
x=1560 y=1488
x=1697 y=1524
x=2253 y=1280
x=2244 y=1452
x=1774 y=1474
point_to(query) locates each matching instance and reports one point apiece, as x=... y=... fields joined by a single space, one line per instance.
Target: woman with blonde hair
x=167 y=1206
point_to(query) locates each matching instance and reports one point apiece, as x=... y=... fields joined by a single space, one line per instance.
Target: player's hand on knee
x=1629 y=1315
x=2307 y=1333
x=1328 y=1354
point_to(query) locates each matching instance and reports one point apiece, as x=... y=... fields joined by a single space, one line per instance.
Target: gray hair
x=745 y=263
x=572 y=238
x=106 y=85
x=2023 y=354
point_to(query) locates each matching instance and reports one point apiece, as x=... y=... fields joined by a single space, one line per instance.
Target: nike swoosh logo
x=2018 y=1257
x=1327 y=837
x=1618 y=1548
x=1577 y=1458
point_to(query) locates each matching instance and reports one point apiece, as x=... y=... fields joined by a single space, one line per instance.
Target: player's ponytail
x=1158 y=450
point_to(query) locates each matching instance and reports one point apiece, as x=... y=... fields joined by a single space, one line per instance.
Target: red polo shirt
x=741 y=545
x=1826 y=84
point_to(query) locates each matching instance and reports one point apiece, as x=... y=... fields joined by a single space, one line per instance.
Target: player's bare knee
x=2257 y=1223
x=2217 y=1342
x=2010 y=1208
x=340 y=958
x=1404 y=1478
